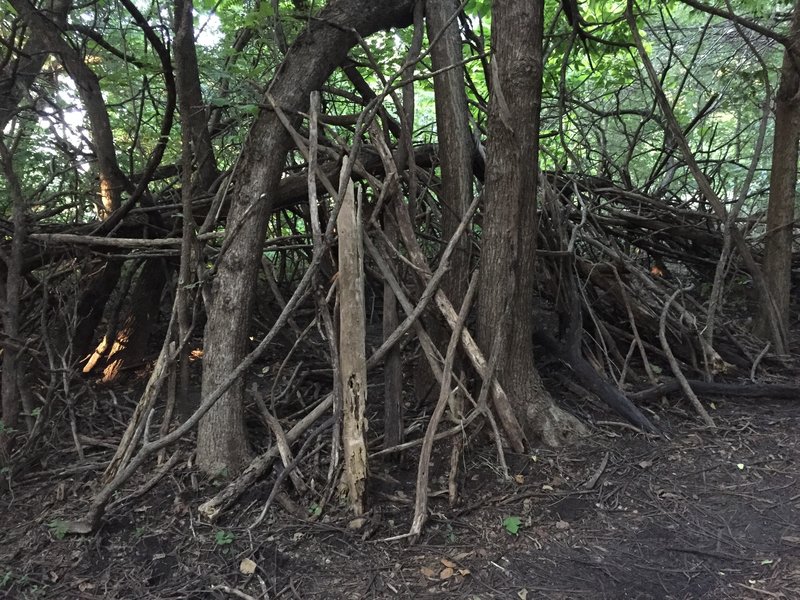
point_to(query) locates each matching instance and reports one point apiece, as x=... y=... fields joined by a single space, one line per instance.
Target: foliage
x=512 y=524
x=224 y=538
x=58 y=528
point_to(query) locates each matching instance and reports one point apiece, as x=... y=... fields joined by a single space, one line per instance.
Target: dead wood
x=767 y=391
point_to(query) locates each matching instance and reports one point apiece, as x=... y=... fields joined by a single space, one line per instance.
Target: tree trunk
x=13 y=286
x=783 y=187
x=507 y=282
x=455 y=142
x=187 y=75
x=323 y=45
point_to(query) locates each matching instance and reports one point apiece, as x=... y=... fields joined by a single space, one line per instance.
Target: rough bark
x=507 y=281
x=783 y=187
x=191 y=96
x=455 y=141
x=13 y=287
x=221 y=442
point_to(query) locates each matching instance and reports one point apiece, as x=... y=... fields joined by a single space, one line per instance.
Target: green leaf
x=512 y=524
x=58 y=528
x=223 y=538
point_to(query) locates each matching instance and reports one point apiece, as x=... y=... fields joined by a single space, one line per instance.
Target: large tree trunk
x=507 y=279
x=221 y=441
x=783 y=187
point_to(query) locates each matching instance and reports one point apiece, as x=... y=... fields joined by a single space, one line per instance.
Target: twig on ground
x=676 y=370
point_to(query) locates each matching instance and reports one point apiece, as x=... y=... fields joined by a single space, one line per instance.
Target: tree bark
x=13 y=286
x=455 y=142
x=323 y=45
x=507 y=282
x=783 y=187
x=191 y=96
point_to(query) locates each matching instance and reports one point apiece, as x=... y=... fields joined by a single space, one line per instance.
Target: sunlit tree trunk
x=783 y=186
x=507 y=279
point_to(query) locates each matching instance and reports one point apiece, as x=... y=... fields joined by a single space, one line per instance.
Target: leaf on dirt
x=645 y=464
x=428 y=572
x=247 y=566
x=522 y=594
x=464 y=572
x=512 y=524
x=547 y=488
x=740 y=466
x=562 y=525
x=520 y=479
x=446 y=573
x=448 y=563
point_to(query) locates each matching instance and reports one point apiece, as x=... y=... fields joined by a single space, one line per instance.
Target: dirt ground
x=692 y=514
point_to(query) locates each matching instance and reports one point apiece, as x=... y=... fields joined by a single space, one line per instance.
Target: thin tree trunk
x=190 y=96
x=11 y=311
x=783 y=188
x=455 y=141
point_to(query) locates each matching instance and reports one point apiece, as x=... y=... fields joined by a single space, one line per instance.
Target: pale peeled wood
x=352 y=353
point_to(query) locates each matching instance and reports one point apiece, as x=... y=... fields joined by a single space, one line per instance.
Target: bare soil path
x=693 y=514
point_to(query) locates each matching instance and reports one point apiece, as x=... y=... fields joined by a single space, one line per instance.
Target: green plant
x=512 y=525
x=223 y=538
x=58 y=528
x=7 y=576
